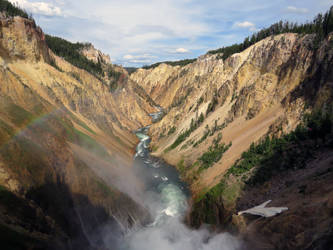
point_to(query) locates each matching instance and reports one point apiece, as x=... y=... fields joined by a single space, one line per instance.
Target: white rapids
x=166 y=198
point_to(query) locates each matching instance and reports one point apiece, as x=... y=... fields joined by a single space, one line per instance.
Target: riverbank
x=166 y=197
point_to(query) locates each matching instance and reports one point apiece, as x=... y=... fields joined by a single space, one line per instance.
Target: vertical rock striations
x=66 y=147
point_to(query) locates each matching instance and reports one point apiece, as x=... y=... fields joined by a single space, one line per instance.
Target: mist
x=168 y=231
x=165 y=196
x=114 y=172
x=156 y=187
x=174 y=235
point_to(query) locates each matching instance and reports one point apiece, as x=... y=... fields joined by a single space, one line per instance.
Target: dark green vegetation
x=217 y=128
x=211 y=206
x=115 y=77
x=201 y=99
x=203 y=138
x=75 y=75
x=322 y=25
x=114 y=74
x=294 y=171
x=214 y=154
x=172 y=130
x=264 y=161
x=71 y=53
x=275 y=155
x=180 y=99
x=12 y=10
x=212 y=105
x=291 y=151
x=182 y=137
x=181 y=166
x=130 y=70
x=172 y=63
x=211 y=132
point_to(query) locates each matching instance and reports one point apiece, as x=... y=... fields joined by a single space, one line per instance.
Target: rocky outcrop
x=307 y=193
x=66 y=145
x=262 y=91
x=22 y=39
x=95 y=55
x=243 y=96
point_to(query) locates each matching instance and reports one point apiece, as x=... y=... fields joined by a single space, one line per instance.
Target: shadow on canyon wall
x=51 y=217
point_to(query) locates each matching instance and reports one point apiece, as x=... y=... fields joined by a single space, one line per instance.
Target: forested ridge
x=12 y=10
x=71 y=53
x=322 y=25
x=172 y=63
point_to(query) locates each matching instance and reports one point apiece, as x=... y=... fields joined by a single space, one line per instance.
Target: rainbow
x=20 y=132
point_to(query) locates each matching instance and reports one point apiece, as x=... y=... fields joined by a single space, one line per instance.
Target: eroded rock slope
x=66 y=146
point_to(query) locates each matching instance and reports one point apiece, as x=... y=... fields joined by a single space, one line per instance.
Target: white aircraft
x=264 y=211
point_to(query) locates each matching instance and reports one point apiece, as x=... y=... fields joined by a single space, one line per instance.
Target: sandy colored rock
x=46 y=109
x=249 y=90
x=95 y=55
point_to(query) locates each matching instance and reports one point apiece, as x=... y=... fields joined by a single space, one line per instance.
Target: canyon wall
x=66 y=145
x=239 y=132
x=67 y=141
x=243 y=98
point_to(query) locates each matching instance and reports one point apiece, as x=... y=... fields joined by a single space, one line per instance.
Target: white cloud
x=297 y=10
x=138 y=27
x=124 y=26
x=144 y=58
x=140 y=61
x=40 y=8
x=175 y=51
x=128 y=57
x=246 y=24
x=182 y=50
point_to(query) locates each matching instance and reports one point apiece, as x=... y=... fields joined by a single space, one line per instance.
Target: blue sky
x=140 y=32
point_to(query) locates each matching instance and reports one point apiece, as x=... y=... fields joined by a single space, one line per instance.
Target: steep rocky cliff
x=217 y=111
x=95 y=55
x=241 y=98
x=66 y=144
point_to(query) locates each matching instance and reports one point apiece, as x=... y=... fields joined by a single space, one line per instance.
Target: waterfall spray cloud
x=174 y=235
x=156 y=187
x=166 y=199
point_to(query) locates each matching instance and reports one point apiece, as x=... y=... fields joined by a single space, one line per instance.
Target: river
x=166 y=198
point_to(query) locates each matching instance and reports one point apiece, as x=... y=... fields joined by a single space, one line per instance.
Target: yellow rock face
x=65 y=125
x=62 y=124
x=248 y=88
x=22 y=39
x=95 y=55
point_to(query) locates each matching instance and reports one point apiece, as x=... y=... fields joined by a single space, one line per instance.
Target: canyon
x=263 y=92
x=67 y=141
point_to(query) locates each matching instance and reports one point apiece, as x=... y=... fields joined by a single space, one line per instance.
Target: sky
x=142 y=32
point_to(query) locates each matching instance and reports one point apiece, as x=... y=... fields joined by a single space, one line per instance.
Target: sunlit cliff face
x=240 y=98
